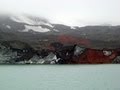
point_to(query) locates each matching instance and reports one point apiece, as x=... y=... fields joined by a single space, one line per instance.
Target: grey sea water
x=60 y=77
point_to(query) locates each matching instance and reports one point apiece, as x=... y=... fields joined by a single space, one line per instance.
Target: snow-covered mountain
x=32 y=23
x=28 y=28
x=26 y=23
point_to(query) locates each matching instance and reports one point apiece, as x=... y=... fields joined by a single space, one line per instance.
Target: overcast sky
x=70 y=12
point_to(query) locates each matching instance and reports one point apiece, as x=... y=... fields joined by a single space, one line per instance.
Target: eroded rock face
x=116 y=60
x=13 y=52
x=7 y=56
x=78 y=50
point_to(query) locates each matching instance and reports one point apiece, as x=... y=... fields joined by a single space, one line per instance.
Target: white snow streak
x=8 y=26
x=27 y=20
x=35 y=28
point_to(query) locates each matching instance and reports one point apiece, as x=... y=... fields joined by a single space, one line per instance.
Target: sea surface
x=60 y=77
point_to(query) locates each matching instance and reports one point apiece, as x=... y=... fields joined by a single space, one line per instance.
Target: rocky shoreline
x=16 y=52
x=22 y=53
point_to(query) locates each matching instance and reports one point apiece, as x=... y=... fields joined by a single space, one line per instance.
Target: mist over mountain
x=34 y=29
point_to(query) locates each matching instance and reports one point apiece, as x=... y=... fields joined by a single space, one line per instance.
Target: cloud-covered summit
x=69 y=12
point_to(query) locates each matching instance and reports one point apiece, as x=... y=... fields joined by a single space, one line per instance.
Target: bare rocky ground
x=24 y=41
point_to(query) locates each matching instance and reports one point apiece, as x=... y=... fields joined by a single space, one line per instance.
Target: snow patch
x=16 y=19
x=48 y=24
x=27 y=20
x=56 y=30
x=35 y=28
x=72 y=27
x=23 y=19
x=9 y=27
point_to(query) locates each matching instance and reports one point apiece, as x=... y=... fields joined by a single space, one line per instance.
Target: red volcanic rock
x=97 y=56
x=92 y=56
x=50 y=47
x=65 y=39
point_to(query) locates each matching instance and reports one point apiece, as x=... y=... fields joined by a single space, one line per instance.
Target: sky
x=69 y=12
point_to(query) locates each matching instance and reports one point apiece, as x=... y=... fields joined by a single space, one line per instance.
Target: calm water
x=55 y=77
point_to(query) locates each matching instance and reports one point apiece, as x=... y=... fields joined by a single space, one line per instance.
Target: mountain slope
x=35 y=30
